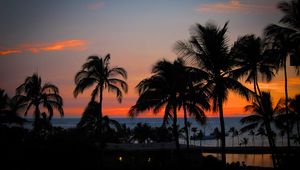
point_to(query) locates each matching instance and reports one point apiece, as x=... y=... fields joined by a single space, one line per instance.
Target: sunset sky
x=54 y=38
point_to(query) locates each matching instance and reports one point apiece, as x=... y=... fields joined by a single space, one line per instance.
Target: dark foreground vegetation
x=73 y=149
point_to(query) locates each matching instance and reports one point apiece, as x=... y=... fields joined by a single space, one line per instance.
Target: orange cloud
x=232 y=6
x=57 y=46
x=71 y=44
x=8 y=52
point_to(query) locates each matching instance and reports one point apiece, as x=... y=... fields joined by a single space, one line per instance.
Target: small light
x=149 y=159
x=120 y=158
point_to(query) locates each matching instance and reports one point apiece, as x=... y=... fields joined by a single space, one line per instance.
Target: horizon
x=136 y=34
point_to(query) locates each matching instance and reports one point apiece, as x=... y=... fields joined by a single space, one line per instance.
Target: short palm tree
x=217 y=134
x=263 y=114
x=33 y=94
x=208 y=49
x=97 y=72
x=232 y=131
x=261 y=132
x=194 y=130
x=244 y=142
x=284 y=39
x=252 y=133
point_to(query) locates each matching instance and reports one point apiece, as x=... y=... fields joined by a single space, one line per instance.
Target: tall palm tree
x=208 y=49
x=33 y=94
x=263 y=114
x=193 y=98
x=285 y=40
x=170 y=87
x=97 y=72
x=253 y=60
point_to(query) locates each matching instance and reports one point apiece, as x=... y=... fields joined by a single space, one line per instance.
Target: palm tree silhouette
x=253 y=59
x=232 y=131
x=208 y=49
x=9 y=110
x=261 y=132
x=244 y=142
x=263 y=115
x=295 y=111
x=97 y=71
x=194 y=130
x=284 y=39
x=252 y=133
x=171 y=88
x=33 y=94
x=200 y=136
x=217 y=134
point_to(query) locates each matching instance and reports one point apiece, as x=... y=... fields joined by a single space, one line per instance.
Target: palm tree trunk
x=175 y=130
x=100 y=111
x=271 y=143
x=298 y=128
x=222 y=130
x=37 y=117
x=286 y=104
x=185 y=127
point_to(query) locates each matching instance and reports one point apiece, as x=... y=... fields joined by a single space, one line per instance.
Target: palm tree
x=252 y=133
x=208 y=49
x=217 y=134
x=253 y=59
x=263 y=115
x=284 y=39
x=9 y=110
x=194 y=130
x=97 y=71
x=237 y=134
x=244 y=142
x=295 y=111
x=33 y=94
x=232 y=131
x=261 y=132
x=200 y=136
x=282 y=133
x=170 y=87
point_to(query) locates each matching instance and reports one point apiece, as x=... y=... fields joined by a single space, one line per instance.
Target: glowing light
x=120 y=158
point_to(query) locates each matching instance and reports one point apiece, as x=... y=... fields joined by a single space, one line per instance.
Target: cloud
x=71 y=44
x=233 y=6
x=8 y=52
x=58 y=46
x=96 y=6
